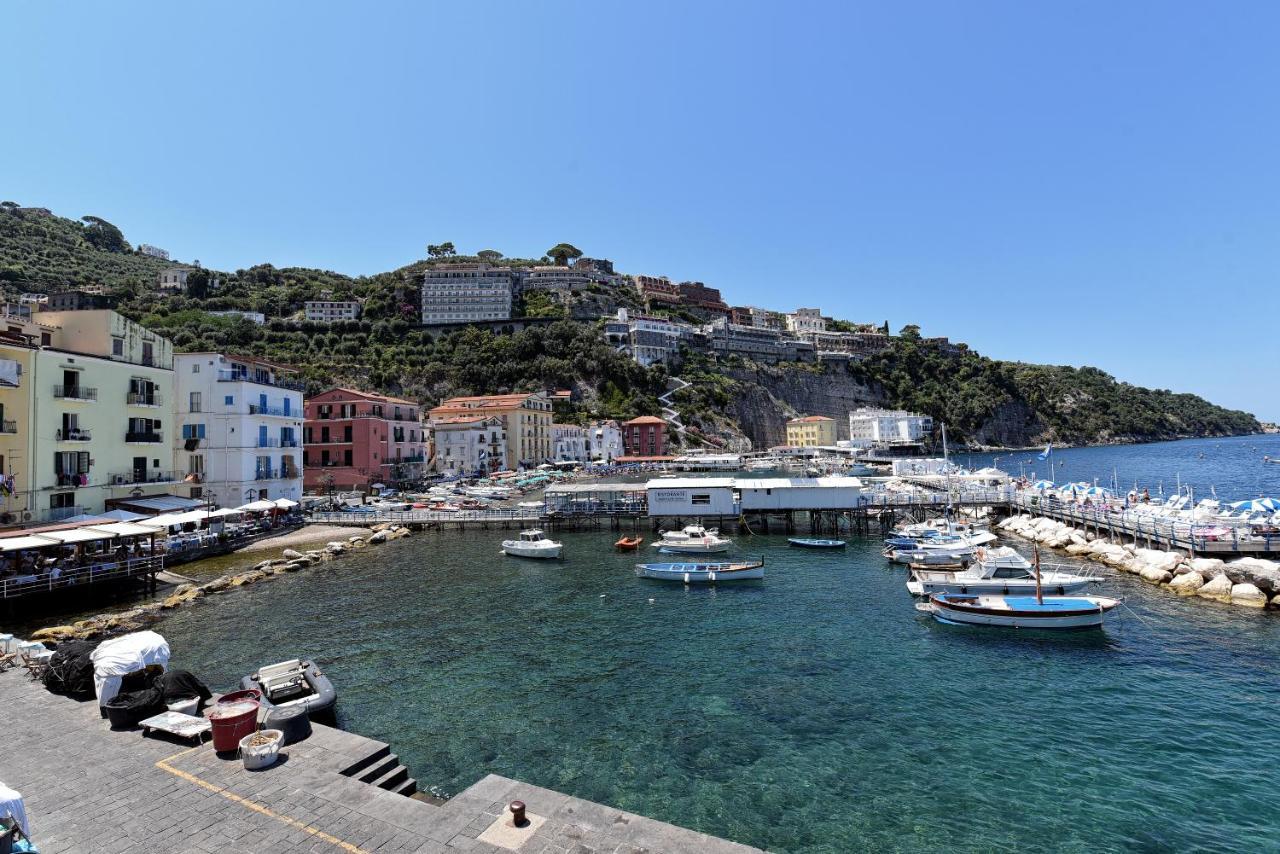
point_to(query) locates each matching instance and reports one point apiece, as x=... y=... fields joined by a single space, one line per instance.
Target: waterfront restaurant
x=799 y=493
x=691 y=496
x=578 y=499
x=58 y=559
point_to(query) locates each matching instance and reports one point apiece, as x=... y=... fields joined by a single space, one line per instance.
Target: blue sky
x=1083 y=183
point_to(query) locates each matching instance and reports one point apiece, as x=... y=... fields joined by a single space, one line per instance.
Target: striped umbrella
x=1253 y=505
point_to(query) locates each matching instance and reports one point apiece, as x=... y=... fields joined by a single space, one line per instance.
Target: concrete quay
x=88 y=788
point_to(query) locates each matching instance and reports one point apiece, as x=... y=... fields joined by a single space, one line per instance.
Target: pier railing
x=417 y=517
x=1207 y=536
x=79 y=577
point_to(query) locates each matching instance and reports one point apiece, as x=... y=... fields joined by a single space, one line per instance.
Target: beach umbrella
x=1042 y=484
x=1096 y=492
x=1253 y=505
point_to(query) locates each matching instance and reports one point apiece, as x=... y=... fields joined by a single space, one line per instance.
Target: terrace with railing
x=74 y=434
x=149 y=437
x=75 y=392
x=135 y=398
x=129 y=478
x=257 y=378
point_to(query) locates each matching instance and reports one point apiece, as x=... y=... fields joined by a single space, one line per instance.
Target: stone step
x=365 y=761
x=378 y=769
x=408 y=788
x=392 y=778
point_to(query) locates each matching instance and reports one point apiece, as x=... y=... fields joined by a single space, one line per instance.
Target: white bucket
x=262 y=755
x=185 y=706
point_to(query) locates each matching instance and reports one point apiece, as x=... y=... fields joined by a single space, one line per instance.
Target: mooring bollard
x=517 y=814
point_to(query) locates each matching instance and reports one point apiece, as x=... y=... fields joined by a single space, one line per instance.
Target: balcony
x=147 y=438
x=8 y=426
x=57 y=514
x=259 y=409
x=70 y=481
x=129 y=478
x=263 y=442
x=260 y=379
x=135 y=398
x=75 y=392
x=75 y=434
x=266 y=474
x=288 y=443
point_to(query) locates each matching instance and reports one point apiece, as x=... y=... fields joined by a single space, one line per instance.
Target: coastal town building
x=329 y=311
x=645 y=436
x=552 y=278
x=597 y=269
x=526 y=420
x=697 y=296
x=811 y=431
x=648 y=340
x=173 y=280
x=82 y=406
x=657 y=291
x=19 y=310
x=887 y=428
x=763 y=318
x=255 y=317
x=568 y=443
x=238 y=434
x=806 y=320
x=860 y=344
x=33 y=299
x=463 y=293
x=604 y=442
x=74 y=301
x=758 y=343
x=153 y=251
x=354 y=439
x=469 y=444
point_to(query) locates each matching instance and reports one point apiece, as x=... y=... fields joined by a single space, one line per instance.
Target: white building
x=884 y=427
x=33 y=299
x=328 y=311
x=799 y=493
x=239 y=428
x=252 y=316
x=604 y=441
x=568 y=443
x=466 y=293
x=649 y=340
x=806 y=320
x=467 y=444
x=172 y=280
x=153 y=251
x=556 y=279
x=691 y=496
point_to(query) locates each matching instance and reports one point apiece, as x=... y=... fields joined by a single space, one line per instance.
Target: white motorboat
x=692 y=539
x=532 y=543
x=1001 y=571
x=943 y=548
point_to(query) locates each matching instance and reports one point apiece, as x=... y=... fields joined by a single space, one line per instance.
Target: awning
x=128 y=529
x=122 y=516
x=13 y=544
x=258 y=506
x=159 y=503
x=78 y=535
x=225 y=511
x=286 y=503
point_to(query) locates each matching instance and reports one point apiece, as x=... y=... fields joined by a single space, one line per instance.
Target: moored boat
x=997 y=571
x=1019 y=612
x=702 y=573
x=628 y=544
x=811 y=543
x=693 y=539
x=532 y=543
x=293 y=684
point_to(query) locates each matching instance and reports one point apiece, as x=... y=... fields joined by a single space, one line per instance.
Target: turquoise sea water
x=815 y=711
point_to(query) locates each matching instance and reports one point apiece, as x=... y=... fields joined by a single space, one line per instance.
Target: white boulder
x=1187 y=583
x=1217 y=588
x=1248 y=596
x=1155 y=576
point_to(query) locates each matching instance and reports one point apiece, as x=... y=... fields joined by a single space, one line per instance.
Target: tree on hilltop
x=104 y=235
x=562 y=253
x=441 y=250
x=489 y=255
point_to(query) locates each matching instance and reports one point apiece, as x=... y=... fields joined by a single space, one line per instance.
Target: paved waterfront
x=90 y=789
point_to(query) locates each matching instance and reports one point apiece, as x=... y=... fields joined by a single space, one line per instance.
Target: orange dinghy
x=629 y=544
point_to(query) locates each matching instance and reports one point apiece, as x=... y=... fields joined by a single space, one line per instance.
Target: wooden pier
x=1219 y=539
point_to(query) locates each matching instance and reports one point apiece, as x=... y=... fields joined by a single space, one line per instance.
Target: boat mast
x=946 y=473
x=1039 y=591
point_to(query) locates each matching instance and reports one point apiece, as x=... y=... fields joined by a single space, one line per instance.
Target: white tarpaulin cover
x=285 y=503
x=11 y=802
x=259 y=506
x=114 y=658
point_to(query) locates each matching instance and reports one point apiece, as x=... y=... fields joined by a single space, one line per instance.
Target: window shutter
x=83 y=463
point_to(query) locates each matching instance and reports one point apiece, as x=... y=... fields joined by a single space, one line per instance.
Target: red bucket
x=232 y=722
x=239 y=696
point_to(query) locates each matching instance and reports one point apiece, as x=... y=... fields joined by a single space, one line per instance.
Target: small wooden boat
x=628 y=544
x=294 y=683
x=807 y=543
x=702 y=573
x=1019 y=612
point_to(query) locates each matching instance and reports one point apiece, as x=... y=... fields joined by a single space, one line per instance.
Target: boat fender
x=712 y=577
x=686 y=578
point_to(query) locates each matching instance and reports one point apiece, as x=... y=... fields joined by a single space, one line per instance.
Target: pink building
x=354 y=439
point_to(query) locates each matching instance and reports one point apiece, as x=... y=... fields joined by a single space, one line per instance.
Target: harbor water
x=814 y=711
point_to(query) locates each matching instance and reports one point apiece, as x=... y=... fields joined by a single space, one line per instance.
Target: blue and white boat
x=702 y=573
x=1058 y=613
x=808 y=543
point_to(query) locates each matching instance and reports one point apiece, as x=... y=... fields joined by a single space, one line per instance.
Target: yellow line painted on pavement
x=164 y=765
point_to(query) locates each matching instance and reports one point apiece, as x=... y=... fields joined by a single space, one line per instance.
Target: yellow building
x=526 y=418
x=811 y=431
x=88 y=413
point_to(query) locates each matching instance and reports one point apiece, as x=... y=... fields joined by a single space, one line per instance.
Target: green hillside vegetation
x=386 y=351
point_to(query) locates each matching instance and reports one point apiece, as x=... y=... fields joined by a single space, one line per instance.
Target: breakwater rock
x=1246 y=582
x=142 y=616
